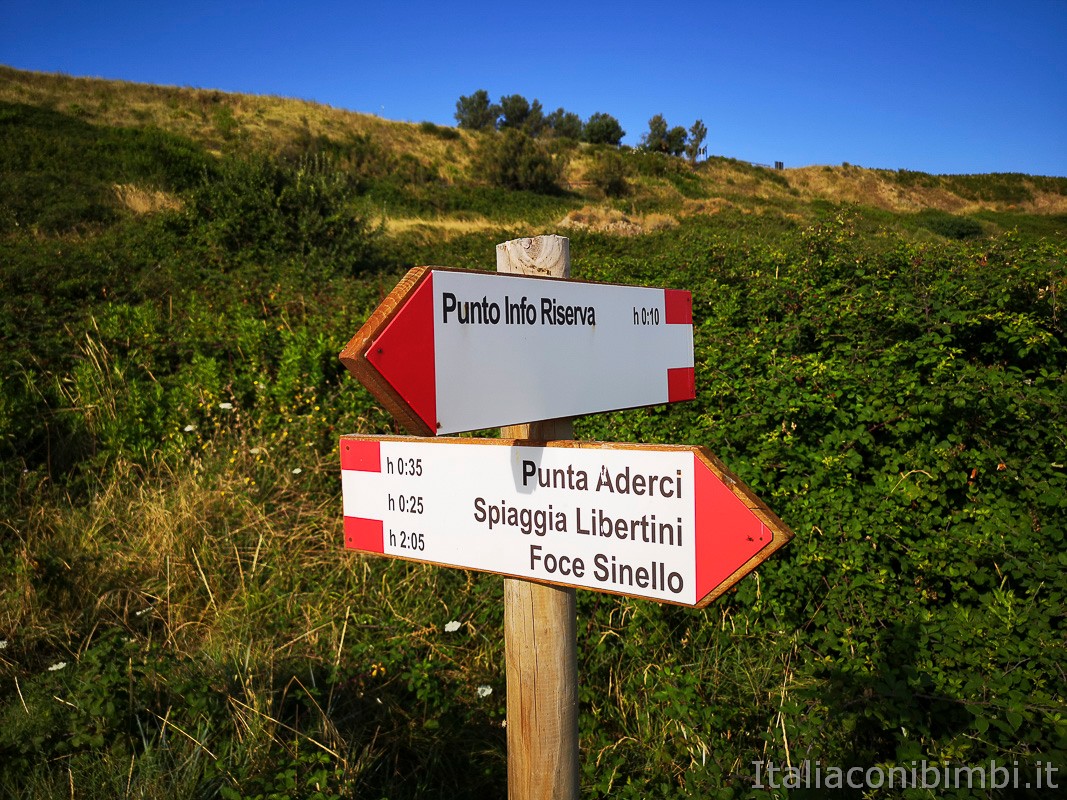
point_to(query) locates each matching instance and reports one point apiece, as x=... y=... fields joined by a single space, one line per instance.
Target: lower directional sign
x=666 y=523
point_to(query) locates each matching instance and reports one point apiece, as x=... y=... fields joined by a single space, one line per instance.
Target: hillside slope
x=424 y=153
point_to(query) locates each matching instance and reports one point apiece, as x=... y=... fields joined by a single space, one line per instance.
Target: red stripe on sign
x=678 y=307
x=404 y=353
x=361 y=455
x=681 y=384
x=728 y=533
x=364 y=534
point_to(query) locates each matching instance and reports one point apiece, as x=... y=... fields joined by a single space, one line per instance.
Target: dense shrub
x=950 y=226
x=609 y=174
x=440 y=131
x=513 y=160
x=59 y=173
x=251 y=207
x=602 y=128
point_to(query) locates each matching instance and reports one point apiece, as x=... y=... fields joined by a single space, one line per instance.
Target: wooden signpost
x=540 y=619
x=449 y=351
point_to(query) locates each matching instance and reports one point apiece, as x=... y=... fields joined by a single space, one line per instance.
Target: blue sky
x=937 y=86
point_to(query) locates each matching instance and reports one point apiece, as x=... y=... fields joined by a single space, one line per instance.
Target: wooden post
x=540 y=623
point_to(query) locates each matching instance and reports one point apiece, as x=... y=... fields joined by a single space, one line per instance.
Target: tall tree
x=514 y=110
x=522 y=115
x=662 y=139
x=475 y=113
x=697 y=133
x=602 y=128
x=676 y=138
x=535 y=121
x=566 y=124
x=655 y=139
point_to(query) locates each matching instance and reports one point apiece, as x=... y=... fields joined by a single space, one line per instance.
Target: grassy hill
x=880 y=356
x=435 y=156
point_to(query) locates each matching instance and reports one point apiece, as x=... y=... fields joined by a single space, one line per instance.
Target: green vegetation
x=515 y=160
x=476 y=112
x=609 y=174
x=60 y=173
x=177 y=616
x=949 y=225
x=997 y=187
x=661 y=139
x=603 y=128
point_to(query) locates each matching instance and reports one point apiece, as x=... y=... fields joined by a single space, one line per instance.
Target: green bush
x=254 y=208
x=441 y=132
x=949 y=225
x=602 y=128
x=609 y=173
x=59 y=172
x=513 y=160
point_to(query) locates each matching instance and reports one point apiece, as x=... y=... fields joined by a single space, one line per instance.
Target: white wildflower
x=297 y=470
x=57 y=666
x=189 y=428
x=452 y=626
x=485 y=691
x=3 y=644
x=226 y=405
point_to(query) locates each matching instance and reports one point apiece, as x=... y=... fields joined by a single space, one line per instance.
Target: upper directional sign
x=663 y=522
x=452 y=350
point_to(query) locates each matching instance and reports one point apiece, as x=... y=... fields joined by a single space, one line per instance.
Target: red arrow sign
x=666 y=523
x=452 y=350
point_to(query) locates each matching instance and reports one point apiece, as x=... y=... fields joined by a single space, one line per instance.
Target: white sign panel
x=452 y=351
x=534 y=347
x=663 y=523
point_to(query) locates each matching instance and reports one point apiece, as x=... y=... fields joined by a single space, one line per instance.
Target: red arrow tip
x=728 y=532
x=404 y=353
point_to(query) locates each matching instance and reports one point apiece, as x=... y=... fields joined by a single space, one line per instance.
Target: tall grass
x=214 y=638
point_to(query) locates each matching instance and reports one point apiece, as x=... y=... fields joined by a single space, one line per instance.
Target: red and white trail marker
x=666 y=523
x=452 y=350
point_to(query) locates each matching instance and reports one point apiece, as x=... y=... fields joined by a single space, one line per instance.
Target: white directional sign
x=451 y=351
x=666 y=523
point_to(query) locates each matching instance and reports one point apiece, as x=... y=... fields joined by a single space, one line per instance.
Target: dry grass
x=446 y=227
x=145 y=201
x=856 y=185
x=705 y=208
x=189 y=549
x=217 y=118
x=1047 y=203
x=612 y=221
x=728 y=179
x=852 y=184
